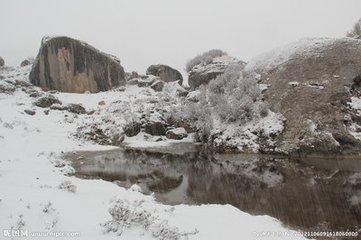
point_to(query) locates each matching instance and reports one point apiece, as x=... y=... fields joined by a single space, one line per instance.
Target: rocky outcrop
x=69 y=65
x=166 y=73
x=205 y=72
x=2 y=62
x=315 y=84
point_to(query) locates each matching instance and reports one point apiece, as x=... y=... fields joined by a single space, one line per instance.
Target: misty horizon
x=143 y=33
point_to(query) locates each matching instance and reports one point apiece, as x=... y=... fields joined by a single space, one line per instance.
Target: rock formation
x=69 y=65
x=316 y=85
x=166 y=73
x=205 y=72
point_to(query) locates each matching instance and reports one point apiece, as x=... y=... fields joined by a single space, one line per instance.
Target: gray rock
x=26 y=62
x=46 y=101
x=2 y=62
x=157 y=86
x=166 y=73
x=76 y=108
x=29 y=112
x=203 y=74
x=69 y=65
x=177 y=133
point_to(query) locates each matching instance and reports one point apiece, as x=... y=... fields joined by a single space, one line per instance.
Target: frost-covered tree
x=356 y=31
x=204 y=58
x=230 y=98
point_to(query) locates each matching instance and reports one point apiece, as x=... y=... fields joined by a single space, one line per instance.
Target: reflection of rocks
x=272 y=186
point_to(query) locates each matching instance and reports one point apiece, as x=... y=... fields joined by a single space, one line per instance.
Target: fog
x=145 y=32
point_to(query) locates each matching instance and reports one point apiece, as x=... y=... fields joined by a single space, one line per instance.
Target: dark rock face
x=68 y=65
x=46 y=101
x=155 y=128
x=2 y=62
x=203 y=74
x=166 y=73
x=312 y=87
x=29 y=112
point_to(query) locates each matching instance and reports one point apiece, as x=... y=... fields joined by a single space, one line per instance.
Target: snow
x=34 y=190
x=307 y=47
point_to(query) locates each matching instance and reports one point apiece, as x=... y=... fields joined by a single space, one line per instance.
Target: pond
x=307 y=194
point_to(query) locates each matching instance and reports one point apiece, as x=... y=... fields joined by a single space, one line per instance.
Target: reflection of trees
x=295 y=202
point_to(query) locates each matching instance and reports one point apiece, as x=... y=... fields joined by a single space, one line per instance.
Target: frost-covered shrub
x=126 y=215
x=204 y=58
x=356 y=31
x=230 y=98
x=68 y=186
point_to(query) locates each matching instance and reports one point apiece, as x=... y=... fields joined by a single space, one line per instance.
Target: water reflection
x=312 y=194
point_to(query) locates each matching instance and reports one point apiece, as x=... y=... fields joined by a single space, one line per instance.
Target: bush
x=356 y=31
x=228 y=99
x=68 y=186
x=127 y=215
x=204 y=58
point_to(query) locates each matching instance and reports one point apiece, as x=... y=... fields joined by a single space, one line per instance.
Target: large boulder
x=2 y=62
x=69 y=65
x=166 y=73
x=316 y=85
x=204 y=72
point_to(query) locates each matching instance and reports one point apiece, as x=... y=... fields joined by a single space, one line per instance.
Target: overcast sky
x=145 y=32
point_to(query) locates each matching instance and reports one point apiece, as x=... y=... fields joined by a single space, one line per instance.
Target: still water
x=308 y=194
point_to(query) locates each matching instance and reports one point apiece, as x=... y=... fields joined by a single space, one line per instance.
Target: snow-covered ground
x=37 y=197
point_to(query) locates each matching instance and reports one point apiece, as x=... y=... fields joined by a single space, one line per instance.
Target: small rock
x=76 y=108
x=26 y=62
x=177 y=133
x=157 y=86
x=46 y=111
x=29 y=112
x=101 y=103
x=58 y=107
x=46 y=101
x=155 y=128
